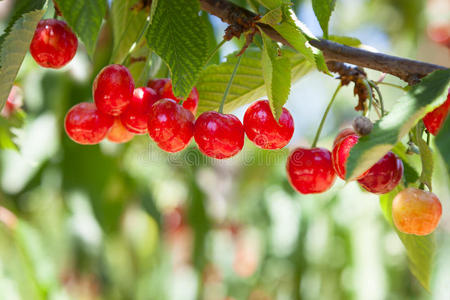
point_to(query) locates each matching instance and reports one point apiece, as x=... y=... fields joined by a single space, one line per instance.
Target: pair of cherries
x=222 y=135
x=314 y=170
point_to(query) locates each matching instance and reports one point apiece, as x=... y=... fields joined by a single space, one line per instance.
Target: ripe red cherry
x=219 y=135
x=310 y=171
x=113 y=89
x=135 y=116
x=53 y=44
x=416 y=212
x=341 y=151
x=262 y=128
x=163 y=87
x=170 y=125
x=383 y=176
x=86 y=125
x=118 y=133
x=342 y=134
x=435 y=119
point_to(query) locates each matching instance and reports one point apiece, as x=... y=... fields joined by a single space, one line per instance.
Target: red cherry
x=54 y=44
x=118 y=133
x=262 y=128
x=170 y=125
x=310 y=171
x=435 y=119
x=13 y=103
x=219 y=135
x=135 y=116
x=113 y=89
x=342 y=134
x=164 y=88
x=158 y=84
x=341 y=151
x=86 y=125
x=416 y=212
x=383 y=176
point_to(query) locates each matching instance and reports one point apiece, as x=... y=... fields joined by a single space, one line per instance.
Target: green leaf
x=345 y=40
x=272 y=4
x=419 y=249
x=277 y=75
x=323 y=10
x=426 y=155
x=410 y=175
x=297 y=34
x=85 y=18
x=127 y=25
x=443 y=143
x=272 y=17
x=248 y=84
x=386 y=132
x=179 y=36
x=15 y=42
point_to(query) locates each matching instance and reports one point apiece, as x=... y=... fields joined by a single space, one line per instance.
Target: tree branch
x=406 y=69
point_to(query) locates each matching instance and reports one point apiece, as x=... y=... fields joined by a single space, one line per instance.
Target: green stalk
x=322 y=122
x=227 y=90
x=211 y=55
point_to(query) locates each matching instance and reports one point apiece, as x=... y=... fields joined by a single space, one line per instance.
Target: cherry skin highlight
x=85 y=125
x=113 y=89
x=435 y=119
x=262 y=128
x=310 y=171
x=416 y=212
x=219 y=135
x=54 y=44
x=13 y=103
x=341 y=151
x=135 y=117
x=118 y=133
x=163 y=87
x=383 y=176
x=170 y=125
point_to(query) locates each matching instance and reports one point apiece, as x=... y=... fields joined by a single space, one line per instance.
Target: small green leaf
x=272 y=17
x=323 y=10
x=15 y=42
x=410 y=175
x=7 y=135
x=272 y=4
x=179 y=36
x=345 y=40
x=297 y=34
x=386 y=132
x=277 y=75
x=85 y=18
x=127 y=25
x=443 y=143
x=419 y=249
x=248 y=84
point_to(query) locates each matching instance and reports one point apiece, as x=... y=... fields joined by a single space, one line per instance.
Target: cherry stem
x=138 y=40
x=377 y=89
x=322 y=122
x=392 y=85
x=230 y=82
x=369 y=90
x=211 y=55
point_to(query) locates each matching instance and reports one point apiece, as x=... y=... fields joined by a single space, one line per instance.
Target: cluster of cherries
x=314 y=170
x=121 y=111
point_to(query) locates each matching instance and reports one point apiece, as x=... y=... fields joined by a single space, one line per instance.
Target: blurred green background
x=131 y=222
